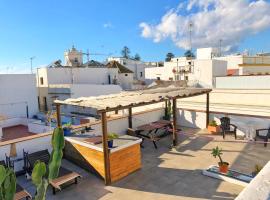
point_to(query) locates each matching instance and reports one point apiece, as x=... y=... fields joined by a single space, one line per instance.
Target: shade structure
x=127 y=99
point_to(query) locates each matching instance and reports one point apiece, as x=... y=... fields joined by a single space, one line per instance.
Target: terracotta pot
x=213 y=129
x=223 y=167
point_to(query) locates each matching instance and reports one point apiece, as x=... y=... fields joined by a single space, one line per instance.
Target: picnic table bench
x=153 y=131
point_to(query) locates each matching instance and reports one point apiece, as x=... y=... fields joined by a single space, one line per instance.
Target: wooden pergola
x=129 y=100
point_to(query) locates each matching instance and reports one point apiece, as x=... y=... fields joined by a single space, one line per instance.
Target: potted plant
x=223 y=166
x=213 y=127
x=257 y=169
x=111 y=137
x=67 y=129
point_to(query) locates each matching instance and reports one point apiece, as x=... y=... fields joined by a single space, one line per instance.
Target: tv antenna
x=31 y=62
x=190 y=26
x=95 y=54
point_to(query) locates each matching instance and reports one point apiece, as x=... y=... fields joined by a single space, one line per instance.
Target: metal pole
x=174 y=123
x=31 y=61
x=58 y=116
x=130 y=117
x=107 y=177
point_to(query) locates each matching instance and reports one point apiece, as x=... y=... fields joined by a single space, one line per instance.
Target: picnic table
x=154 y=131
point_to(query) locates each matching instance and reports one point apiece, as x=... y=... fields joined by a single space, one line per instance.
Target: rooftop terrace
x=171 y=174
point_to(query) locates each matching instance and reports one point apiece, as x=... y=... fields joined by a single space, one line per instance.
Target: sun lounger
x=21 y=193
x=64 y=176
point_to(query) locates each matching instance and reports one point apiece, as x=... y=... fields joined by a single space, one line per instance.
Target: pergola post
x=130 y=117
x=207 y=109
x=174 y=108
x=105 y=148
x=58 y=115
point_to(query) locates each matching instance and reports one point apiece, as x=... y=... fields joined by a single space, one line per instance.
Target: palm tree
x=125 y=52
x=217 y=152
x=137 y=57
x=169 y=56
x=189 y=54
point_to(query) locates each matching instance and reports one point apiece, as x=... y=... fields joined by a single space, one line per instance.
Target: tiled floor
x=15 y=132
x=171 y=174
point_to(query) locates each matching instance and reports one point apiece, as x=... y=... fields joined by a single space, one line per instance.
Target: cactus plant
x=7 y=183
x=40 y=176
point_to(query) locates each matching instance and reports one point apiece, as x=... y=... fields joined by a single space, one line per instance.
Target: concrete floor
x=171 y=174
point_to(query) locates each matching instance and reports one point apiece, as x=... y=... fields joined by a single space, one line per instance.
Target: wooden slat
x=56 y=183
x=93 y=157
x=21 y=195
x=124 y=162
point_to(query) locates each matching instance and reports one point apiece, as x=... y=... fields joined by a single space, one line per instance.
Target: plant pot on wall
x=67 y=131
x=213 y=129
x=110 y=143
x=223 y=167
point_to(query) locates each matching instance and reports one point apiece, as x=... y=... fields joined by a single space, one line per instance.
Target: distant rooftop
x=121 y=68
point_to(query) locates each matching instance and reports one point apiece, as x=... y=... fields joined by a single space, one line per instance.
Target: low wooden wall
x=122 y=162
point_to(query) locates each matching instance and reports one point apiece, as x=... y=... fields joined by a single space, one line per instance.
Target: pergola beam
x=130 y=117
x=107 y=177
x=207 y=109
x=58 y=115
x=174 y=111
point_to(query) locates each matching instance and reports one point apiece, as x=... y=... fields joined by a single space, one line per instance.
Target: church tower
x=73 y=57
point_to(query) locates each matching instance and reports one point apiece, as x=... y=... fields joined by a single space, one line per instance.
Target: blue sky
x=45 y=29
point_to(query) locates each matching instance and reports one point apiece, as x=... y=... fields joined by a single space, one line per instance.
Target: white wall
x=243 y=82
x=251 y=70
x=233 y=61
x=86 y=90
x=126 y=80
x=120 y=126
x=30 y=146
x=16 y=92
x=206 y=53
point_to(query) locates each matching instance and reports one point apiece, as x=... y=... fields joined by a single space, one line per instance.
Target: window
x=38 y=103
x=141 y=74
x=75 y=60
x=186 y=78
x=45 y=104
x=41 y=80
x=126 y=74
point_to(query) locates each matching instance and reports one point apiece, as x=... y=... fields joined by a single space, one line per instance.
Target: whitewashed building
x=200 y=71
x=247 y=65
x=80 y=79
x=137 y=66
x=18 y=95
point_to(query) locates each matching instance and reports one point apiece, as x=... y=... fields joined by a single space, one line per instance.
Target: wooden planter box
x=213 y=129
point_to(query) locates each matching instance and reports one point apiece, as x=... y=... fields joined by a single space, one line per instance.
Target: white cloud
x=108 y=25
x=213 y=20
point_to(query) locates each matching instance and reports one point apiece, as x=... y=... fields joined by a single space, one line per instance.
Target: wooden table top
x=153 y=125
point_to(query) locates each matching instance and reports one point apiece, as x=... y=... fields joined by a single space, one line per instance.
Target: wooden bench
x=64 y=176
